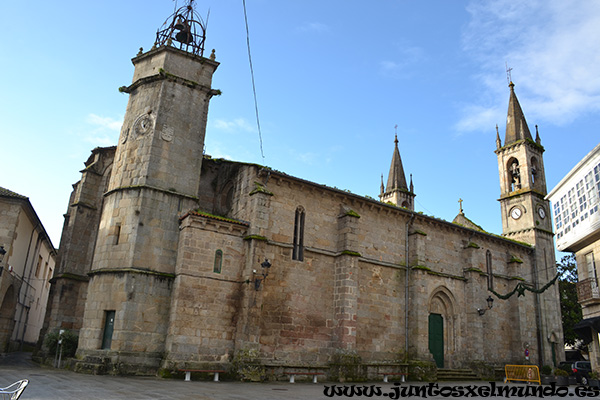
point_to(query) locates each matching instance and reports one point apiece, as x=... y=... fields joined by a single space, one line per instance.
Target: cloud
x=553 y=49
x=104 y=131
x=234 y=125
x=410 y=55
x=105 y=122
x=315 y=27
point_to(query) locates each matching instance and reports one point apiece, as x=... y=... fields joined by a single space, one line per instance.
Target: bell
x=180 y=25
x=184 y=37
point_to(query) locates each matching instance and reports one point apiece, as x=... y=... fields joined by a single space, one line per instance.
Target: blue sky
x=333 y=78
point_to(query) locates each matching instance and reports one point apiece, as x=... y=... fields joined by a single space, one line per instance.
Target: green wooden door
x=109 y=324
x=436 y=338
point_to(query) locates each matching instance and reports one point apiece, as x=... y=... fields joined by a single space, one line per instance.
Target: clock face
x=142 y=125
x=516 y=213
x=541 y=213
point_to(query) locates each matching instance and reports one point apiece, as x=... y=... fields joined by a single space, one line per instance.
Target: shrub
x=546 y=370
x=560 y=372
x=69 y=343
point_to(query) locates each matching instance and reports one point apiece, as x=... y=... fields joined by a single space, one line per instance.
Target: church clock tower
x=522 y=178
x=526 y=218
x=155 y=179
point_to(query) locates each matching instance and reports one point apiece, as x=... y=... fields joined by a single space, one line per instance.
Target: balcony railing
x=588 y=291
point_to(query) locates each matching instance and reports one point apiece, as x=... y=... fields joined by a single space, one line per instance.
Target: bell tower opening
x=514 y=174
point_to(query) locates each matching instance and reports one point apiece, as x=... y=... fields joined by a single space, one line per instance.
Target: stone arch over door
x=7 y=316
x=443 y=304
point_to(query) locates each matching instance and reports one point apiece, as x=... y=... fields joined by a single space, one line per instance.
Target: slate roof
x=9 y=193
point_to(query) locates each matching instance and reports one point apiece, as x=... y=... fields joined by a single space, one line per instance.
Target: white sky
x=333 y=79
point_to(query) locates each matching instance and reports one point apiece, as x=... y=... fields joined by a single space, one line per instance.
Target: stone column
x=345 y=280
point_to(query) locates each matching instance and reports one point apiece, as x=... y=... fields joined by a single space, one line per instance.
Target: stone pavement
x=53 y=384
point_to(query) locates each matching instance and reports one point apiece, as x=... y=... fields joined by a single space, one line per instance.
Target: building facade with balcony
x=576 y=207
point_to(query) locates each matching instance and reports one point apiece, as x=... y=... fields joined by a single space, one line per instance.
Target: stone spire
x=516 y=126
x=396 y=178
x=498 y=142
x=397 y=192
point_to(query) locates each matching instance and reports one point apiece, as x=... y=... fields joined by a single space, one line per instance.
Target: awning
x=583 y=329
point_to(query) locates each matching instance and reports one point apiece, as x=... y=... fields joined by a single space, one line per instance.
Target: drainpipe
x=538 y=311
x=406 y=297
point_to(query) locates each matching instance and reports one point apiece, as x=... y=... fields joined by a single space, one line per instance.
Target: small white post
x=385 y=378
x=402 y=379
x=292 y=378
x=188 y=375
x=216 y=377
x=314 y=378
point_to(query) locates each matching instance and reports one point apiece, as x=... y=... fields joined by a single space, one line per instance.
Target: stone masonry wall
x=206 y=300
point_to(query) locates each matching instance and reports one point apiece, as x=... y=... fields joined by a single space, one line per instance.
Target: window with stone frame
x=218 y=261
x=298 y=249
x=117 y=233
x=591 y=265
x=37 y=268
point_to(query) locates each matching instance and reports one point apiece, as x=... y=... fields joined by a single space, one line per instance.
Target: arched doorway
x=7 y=316
x=441 y=325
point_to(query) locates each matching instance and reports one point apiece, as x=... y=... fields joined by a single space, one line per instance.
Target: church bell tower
x=526 y=218
x=155 y=179
x=522 y=177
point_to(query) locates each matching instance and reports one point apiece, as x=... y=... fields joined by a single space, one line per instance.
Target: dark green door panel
x=436 y=338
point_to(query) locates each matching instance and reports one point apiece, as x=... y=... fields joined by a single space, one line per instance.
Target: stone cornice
x=70 y=276
x=527 y=142
x=521 y=192
x=171 y=49
x=164 y=75
x=130 y=271
x=148 y=187
x=200 y=220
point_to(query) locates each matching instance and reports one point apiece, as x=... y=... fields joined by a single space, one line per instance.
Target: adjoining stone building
x=27 y=259
x=170 y=258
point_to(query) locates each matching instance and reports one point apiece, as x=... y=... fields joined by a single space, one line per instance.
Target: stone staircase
x=464 y=374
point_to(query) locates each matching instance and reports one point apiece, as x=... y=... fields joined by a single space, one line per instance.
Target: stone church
x=172 y=259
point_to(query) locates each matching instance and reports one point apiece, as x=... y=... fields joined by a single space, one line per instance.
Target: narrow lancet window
x=218 y=261
x=298 y=251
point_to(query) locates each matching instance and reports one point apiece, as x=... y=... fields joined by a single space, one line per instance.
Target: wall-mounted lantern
x=265 y=265
x=490 y=304
x=2 y=253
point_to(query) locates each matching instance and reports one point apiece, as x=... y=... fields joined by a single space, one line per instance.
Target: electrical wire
x=253 y=84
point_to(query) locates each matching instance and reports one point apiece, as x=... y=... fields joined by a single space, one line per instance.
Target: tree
x=569 y=307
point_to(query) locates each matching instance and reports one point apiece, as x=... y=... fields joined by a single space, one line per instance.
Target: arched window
x=298 y=251
x=218 y=261
x=490 y=274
